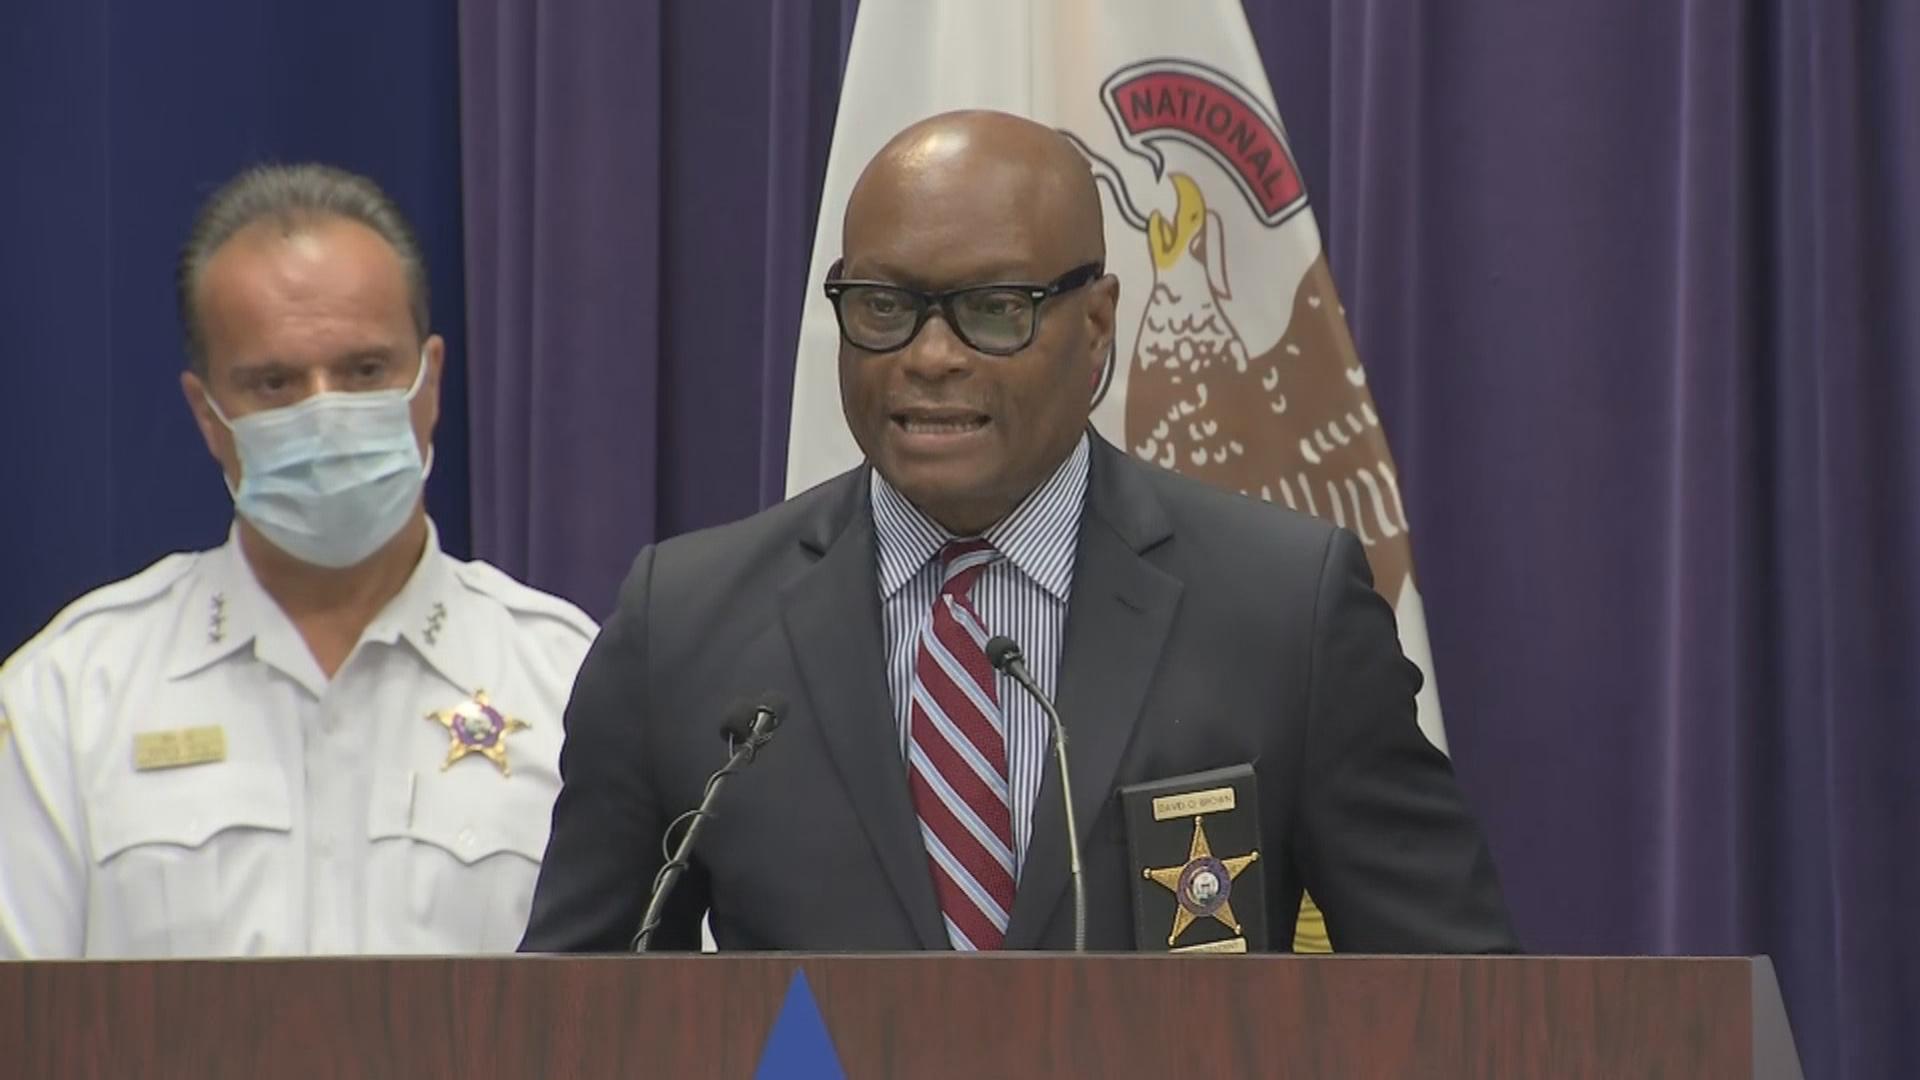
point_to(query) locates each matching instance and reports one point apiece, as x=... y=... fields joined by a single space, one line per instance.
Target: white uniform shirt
x=329 y=824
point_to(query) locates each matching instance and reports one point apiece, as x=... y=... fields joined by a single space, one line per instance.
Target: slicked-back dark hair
x=292 y=196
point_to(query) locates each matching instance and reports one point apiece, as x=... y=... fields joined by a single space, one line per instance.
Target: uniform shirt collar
x=1038 y=537
x=228 y=610
x=425 y=615
x=221 y=612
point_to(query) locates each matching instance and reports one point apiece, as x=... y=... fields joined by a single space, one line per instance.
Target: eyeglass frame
x=926 y=303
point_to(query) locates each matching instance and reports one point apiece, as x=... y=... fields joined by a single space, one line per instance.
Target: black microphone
x=748 y=727
x=1005 y=656
x=753 y=724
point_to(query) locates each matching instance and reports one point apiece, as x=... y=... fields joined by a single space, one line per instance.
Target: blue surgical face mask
x=331 y=479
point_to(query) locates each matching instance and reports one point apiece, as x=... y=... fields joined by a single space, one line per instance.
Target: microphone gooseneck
x=746 y=731
x=1005 y=656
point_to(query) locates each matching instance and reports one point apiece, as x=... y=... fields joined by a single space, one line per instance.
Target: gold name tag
x=1229 y=945
x=1210 y=801
x=185 y=746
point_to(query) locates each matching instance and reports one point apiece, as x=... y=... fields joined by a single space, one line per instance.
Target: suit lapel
x=832 y=619
x=1117 y=622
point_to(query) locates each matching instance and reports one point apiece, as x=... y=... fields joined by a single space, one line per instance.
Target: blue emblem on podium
x=798 y=1047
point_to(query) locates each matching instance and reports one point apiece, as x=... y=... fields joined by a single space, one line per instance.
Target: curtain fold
x=562 y=166
x=641 y=182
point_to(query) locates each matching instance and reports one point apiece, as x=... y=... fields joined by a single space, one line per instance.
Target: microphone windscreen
x=1001 y=651
x=742 y=713
x=776 y=707
x=739 y=720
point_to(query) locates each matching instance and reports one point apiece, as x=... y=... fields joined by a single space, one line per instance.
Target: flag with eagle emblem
x=1233 y=363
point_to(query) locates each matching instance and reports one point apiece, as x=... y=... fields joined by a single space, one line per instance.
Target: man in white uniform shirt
x=326 y=735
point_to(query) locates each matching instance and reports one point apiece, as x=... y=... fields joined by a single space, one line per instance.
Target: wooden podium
x=1033 y=1015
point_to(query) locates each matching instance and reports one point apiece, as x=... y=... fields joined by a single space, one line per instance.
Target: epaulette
x=496 y=584
x=132 y=592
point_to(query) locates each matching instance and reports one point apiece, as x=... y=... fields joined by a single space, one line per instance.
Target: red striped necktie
x=957 y=758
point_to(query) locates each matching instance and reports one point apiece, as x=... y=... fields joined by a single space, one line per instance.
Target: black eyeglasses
x=999 y=318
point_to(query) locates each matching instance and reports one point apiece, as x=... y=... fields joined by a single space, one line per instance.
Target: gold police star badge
x=1202 y=887
x=475 y=727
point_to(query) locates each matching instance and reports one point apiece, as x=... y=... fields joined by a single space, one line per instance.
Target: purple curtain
x=561 y=137
x=1639 y=294
x=1637 y=288
x=641 y=181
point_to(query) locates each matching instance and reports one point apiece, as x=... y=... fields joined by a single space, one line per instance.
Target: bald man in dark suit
x=906 y=803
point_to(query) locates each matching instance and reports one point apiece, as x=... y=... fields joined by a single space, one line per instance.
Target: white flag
x=1234 y=364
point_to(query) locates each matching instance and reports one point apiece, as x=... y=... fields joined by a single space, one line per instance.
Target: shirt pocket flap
x=187 y=807
x=469 y=821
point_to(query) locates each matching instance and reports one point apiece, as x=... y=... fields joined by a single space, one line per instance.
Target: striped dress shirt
x=1022 y=595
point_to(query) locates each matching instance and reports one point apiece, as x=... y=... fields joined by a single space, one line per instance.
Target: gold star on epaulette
x=1202 y=887
x=476 y=727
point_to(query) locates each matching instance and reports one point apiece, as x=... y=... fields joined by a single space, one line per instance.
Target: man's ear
x=212 y=432
x=426 y=405
x=1103 y=303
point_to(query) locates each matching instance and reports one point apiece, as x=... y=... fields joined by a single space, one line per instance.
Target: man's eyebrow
x=882 y=272
x=263 y=366
x=992 y=274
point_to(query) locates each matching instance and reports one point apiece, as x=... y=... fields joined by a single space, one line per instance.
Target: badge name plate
x=179 y=747
x=1211 y=801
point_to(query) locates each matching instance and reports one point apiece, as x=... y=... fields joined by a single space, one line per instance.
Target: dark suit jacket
x=1204 y=629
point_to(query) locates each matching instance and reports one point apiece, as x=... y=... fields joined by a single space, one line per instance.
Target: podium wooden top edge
x=1524 y=959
